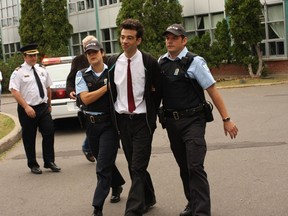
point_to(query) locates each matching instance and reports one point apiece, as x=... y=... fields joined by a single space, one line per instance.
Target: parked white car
x=62 y=105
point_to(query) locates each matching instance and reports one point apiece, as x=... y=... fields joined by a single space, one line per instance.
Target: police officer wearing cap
x=185 y=116
x=91 y=86
x=30 y=86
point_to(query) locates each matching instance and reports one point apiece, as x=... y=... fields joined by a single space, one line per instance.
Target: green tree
x=156 y=16
x=222 y=43
x=46 y=24
x=246 y=31
x=202 y=47
x=31 y=22
x=57 y=29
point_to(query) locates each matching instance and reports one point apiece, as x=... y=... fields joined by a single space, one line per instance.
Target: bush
x=8 y=68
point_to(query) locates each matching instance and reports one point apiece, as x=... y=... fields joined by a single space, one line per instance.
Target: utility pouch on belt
x=208 y=107
x=161 y=116
x=82 y=119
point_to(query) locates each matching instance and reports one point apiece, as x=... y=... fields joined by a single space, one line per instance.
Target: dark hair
x=133 y=24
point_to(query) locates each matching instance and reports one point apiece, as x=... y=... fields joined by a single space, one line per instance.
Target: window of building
x=6 y=48
x=110 y=40
x=92 y=33
x=89 y=4
x=72 y=7
x=77 y=41
x=274 y=38
x=12 y=48
x=102 y=2
x=200 y=24
x=106 y=40
x=112 y=2
x=81 y=5
x=4 y=22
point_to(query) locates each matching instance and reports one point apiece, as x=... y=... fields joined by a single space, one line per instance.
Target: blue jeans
x=85 y=146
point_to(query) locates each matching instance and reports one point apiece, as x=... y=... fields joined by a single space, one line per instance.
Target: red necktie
x=131 y=103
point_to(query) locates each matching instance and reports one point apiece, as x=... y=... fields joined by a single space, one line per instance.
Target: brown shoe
x=89 y=156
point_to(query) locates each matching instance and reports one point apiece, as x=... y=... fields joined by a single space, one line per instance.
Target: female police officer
x=91 y=86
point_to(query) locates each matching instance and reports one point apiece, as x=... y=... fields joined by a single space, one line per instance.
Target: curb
x=13 y=137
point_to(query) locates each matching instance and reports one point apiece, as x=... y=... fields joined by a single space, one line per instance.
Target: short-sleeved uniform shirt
x=23 y=80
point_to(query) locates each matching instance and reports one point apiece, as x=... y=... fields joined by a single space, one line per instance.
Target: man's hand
x=72 y=95
x=30 y=112
x=231 y=128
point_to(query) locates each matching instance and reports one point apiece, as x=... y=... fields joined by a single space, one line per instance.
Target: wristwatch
x=226 y=119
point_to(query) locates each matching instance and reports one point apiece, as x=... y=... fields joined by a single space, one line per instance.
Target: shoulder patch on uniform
x=78 y=77
x=40 y=65
x=18 y=68
x=13 y=75
x=204 y=65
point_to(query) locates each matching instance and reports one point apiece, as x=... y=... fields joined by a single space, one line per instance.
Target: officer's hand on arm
x=229 y=126
x=72 y=95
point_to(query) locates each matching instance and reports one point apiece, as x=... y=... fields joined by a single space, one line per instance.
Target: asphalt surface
x=248 y=176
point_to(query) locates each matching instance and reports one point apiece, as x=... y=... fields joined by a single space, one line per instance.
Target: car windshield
x=58 y=72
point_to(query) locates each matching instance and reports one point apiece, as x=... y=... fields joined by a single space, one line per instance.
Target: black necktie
x=39 y=84
x=131 y=103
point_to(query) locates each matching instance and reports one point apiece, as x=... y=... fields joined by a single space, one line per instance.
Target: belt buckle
x=130 y=116
x=175 y=115
x=92 y=120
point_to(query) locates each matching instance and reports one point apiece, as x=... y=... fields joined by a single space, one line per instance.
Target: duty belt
x=98 y=118
x=176 y=114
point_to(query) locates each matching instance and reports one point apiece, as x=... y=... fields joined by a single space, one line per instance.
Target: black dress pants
x=189 y=148
x=104 y=143
x=44 y=121
x=136 y=140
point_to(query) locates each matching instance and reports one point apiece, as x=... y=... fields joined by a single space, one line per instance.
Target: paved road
x=248 y=176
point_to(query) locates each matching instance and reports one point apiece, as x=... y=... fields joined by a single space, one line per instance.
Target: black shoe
x=52 y=166
x=36 y=170
x=115 y=197
x=97 y=212
x=89 y=156
x=148 y=206
x=187 y=211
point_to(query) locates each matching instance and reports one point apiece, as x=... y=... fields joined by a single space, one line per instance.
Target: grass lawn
x=6 y=125
x=247 y=81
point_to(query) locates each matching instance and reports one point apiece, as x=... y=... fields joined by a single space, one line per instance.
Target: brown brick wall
x=273 y=67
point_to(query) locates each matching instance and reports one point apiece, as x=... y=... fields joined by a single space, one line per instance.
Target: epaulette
x=42 y=66
x=18 y=68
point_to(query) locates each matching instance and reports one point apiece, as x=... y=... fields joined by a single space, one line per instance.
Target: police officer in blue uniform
x=30 y=86
x=91 y=86
x=183 y=85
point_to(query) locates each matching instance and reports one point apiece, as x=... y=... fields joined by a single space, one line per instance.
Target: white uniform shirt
x=23 y=81
x=138 y=83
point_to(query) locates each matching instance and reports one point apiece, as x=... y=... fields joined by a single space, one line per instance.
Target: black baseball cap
x=176 y=29
x=92 y=45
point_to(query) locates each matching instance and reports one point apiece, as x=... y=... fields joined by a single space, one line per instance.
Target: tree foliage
x=46 y=24
x=31 y=22
x=222 y=42
x=57 y=29
x=156 y=16
x=247 y=32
